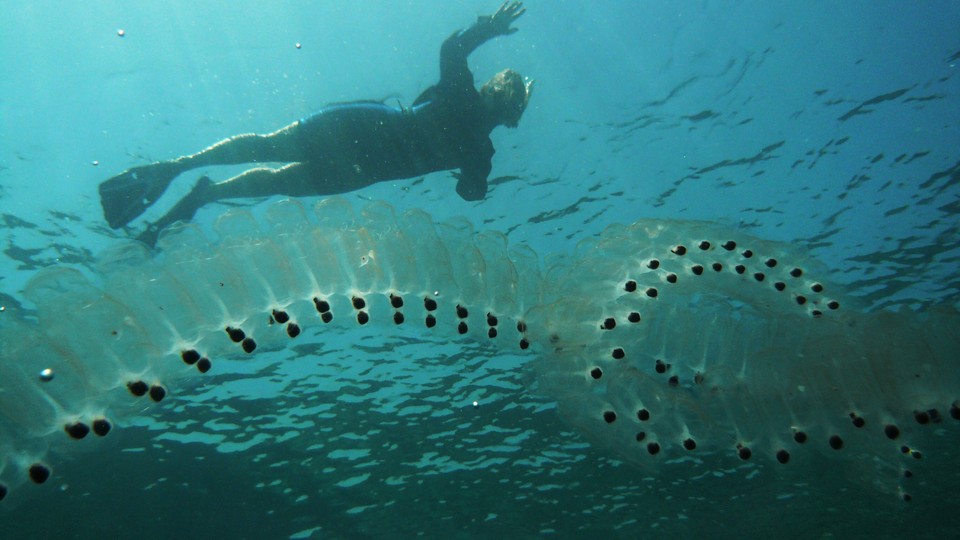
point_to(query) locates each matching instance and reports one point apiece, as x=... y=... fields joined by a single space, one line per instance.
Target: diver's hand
x=499 y=23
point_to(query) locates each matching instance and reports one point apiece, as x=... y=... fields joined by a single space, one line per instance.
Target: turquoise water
x=834 y=127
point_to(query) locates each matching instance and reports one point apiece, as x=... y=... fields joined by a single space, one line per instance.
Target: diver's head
x=506 y=96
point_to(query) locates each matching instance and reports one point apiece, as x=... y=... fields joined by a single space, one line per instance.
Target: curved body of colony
x=660 y=340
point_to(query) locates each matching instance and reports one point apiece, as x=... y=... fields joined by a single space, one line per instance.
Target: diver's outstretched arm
x=456 y=49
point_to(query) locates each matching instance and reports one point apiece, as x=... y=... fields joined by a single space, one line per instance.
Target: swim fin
x=127 y=195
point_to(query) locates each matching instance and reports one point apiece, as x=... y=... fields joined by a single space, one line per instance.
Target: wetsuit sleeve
x=456 y=49
x=472 y=185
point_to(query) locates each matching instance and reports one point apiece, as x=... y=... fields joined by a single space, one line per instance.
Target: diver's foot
x=128 y=195
x=182 y=211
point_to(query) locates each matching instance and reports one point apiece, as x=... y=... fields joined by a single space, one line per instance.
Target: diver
x=348 y=146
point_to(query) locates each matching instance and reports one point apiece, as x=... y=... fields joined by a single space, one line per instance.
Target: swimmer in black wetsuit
x=352 y=145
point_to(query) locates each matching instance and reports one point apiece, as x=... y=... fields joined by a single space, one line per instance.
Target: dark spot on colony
x=461 y=312
x=671 y=278
x=816 y=313
x=922 y=417
x=630 y=286
x=796 y=272
x=190 y=357
x=759 y=276
x=280 y=316
x=643 y=415
x=358 y=302
x=293 y=330
x=729 y=245
x=398 y=318
x=326 y=317
x=101 y=426
x=618 y=353
x=641 y=435
x=739 y=268
x=891 y=431
x=524 y=344
x=77 y=430
x=661 y=367
x=955 y=411
x=697 y=270
x=858 y=421
x=430 y=321
x=204 y=365
x=609 y=417
x=747 y=254
x=800 y=437
x=609 y=323
x=396 y=301
x=363 y=317
x=836 y=442
x=907 y=473
x=833 y=304
x=801 y=300
x=492 y=333
x=934 y=416
x=704 y=245
x=698 y=378
x=816 y=287
x=236 y=335
x=462 y=328
x=717 y=267
x=249 y=345
x=138 y=388
x=429 y=304
x=521 y=326
x=673 y=381
x=689 y=443
x=652 y=292
x=653 y=448
x=634 y=317
x=157 y=393
x=596 y=373
x=679 y=250
x=743 y=452
x=771 y=263
x=492 y=319
x=653 y=264
x=780 y=286
x=783 y=456
x=322 y=305
x=916 y=454
x=39 y=473
x=906 y=497
x=3 y=491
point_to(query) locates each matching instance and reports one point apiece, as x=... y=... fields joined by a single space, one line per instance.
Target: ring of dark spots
x=661 y=367
x=891 y=431
x=204 y=365
x=398 y=318
x=771 y=263
x=157 y=393
x=322 y=305
x=704 y=245
x=429 y=304
x=643 y=415
x=740 y=269
x=363 y=317
x=396 y=301
x=630 y=286
x=833 y=304
x=101 y=427
x=138 y=388
x=796 y=272
x=462 y=328
x=671 y=278
x=800 y=437
x=673 y=381
x=759 y=276
x=77 y=430
x=596 y=373
x=521 y=326
x=783 y=456
x=280 y=316
x=236 y=335
x=652 y=292
x=326 y=317
x=609 y=323
x=653 y=448
x=801 y=300
x=717 y=267
x=618 y=353
x=524 y=344
x=491 y=333
x=922 y=417
x=430 y=321
x=653 y=264
x=689 y=443
x=816 y=287
x=190 y=356
x=249 y=345
x=743 y=452
x=747 y=254
x=780 y=286
x=39 y=473
x=492 y=320
x=641 y=435
x=634 y=317
x=293 y=330
x=358 y=302
x=836 y=442
x=462 y=312
x=679 y=250
x=609 y=417
x=729 y=245
x=697 y=270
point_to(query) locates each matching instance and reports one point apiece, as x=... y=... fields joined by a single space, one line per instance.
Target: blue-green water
x=835 y=127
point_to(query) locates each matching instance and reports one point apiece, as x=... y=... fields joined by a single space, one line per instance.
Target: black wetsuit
x=353 y=145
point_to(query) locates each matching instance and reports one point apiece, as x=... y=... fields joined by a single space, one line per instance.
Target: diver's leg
x=282 y=146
